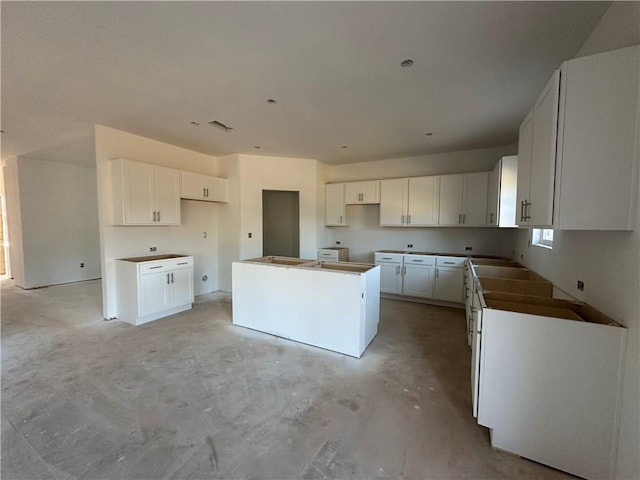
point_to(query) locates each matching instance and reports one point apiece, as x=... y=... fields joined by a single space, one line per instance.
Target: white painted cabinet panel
x=144 y=194
x=362 y=192
x=423 y=200
x=449 y=284
x=501 y=199
x=152 y=289
x=334 y=205
x=196 y=186
x=393 y=202
x=525 y=152
x=418 y=280
x=463 y=199
x=598 y=141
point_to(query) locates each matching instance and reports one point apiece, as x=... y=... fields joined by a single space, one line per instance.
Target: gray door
x=281 y=223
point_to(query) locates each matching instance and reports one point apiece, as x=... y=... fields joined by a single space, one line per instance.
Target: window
x=542 y=237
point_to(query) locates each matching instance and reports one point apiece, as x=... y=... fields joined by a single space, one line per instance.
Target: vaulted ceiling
x=333 y=69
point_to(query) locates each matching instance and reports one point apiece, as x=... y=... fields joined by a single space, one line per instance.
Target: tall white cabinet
x=144 y=194
x=334 y=205
x=463 y=199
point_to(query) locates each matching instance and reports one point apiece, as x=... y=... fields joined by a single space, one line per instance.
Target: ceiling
x=152 y=68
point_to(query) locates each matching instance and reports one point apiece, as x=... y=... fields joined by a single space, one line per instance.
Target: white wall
x=126 y=241
x=363 y=236
x=14 y=220
x=53 y=215
x=248 y=176
x=482 y=160
x=607 y=262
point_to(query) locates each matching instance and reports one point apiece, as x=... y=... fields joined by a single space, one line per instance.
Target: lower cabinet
x=424 y=276
x=152 y=287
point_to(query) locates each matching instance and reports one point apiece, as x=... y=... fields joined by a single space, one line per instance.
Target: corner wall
x=127 y=241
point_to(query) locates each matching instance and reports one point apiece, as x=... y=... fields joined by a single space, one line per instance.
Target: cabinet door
x=139 y=203
x=525 y=150
x=543 y=159
x=424 y=198
x=418 y=281
x=474 y=199
x=352 y=192
x=370 y=192
x=393 y=202
x=390 y=278
x=450 y=208
x=449 y=284
x=167 y=195
x=597 y=138
x=493 y=195
x=182 y=287
x=215 y=189
x=476 y=325
x=155 y=291
x=334 y=204
x=192 y=186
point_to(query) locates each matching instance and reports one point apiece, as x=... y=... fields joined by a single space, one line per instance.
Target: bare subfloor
x=192 y=396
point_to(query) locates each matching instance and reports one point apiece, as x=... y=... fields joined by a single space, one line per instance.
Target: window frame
x=540 y=237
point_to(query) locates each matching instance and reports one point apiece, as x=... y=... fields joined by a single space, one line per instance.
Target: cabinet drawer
x=426 y=260
x=388 y=257
x=165 y=265
x=324 y=254
x=456 y=262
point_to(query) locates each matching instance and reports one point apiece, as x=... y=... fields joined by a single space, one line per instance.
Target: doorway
x=281 y=223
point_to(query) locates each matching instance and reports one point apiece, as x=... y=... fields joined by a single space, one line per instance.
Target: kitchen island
x=331 y=305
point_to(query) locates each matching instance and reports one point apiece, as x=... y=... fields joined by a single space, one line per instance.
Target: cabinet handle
x=153 y=268
x=437 y=273
x=417 y=261
x=171 y=277
x=459 y=218
x=340 y=218
x=404 y=270
x=168 y=282
x=408 y=219
x=491 y=218
x=183 y=263
x=402 y=219
x=464 y=218
x=154 y=215
x=158 y=215
x=526 y=215
x=387 y=258
x=449 y=263
x=398 y=270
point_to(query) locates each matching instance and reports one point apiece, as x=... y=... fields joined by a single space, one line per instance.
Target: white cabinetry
x=463 y=199
x=196 y=186
x=597 y=159
x=418 y=275
x=537 y=156
x=501 y=199
x=449 y=281
x=362 y=192
x=409 y=201
x=334 y=254
x=390 y=272
x=144 y=194
x=334 y=205
x=153 y=287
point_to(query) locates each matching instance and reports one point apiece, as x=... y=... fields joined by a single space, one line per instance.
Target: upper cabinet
x=362 y=192
x=501 y=198
x=144 y=194
x=537 y=158
x=598 y=151
x=577 y=151
x=334 y=205
x=195 y=186
x=463 y=199
x=409 y=202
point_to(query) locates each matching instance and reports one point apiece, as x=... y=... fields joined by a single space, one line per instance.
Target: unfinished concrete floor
x=191 y=396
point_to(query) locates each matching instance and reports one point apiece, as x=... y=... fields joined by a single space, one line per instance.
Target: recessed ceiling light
x=195 y=123
x=271 y=100
x=257 y=146
x=221 y=126
x=1 y=131
x=406 y=63
x=343 y=146
x=429 y=134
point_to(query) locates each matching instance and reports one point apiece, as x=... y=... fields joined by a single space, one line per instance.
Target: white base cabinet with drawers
x=334 y=254
x=422 y=276
x=154 y=288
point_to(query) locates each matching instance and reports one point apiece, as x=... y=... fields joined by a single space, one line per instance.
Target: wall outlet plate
x=153 y=249
x=580 y=285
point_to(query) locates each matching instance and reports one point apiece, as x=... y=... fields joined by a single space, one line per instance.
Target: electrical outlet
x=409 y=245
x=581 y=285
x=204 y=278
x=204 y=234
x=521 y=256
x=250 y=234
x=468 y=249
x=337 y=243
x=153 y=249
x=81 y=264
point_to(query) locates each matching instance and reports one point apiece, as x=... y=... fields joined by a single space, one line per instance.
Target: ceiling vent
x=221 y=126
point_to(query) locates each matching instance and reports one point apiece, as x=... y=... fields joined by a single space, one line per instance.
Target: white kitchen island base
x=335 y=306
